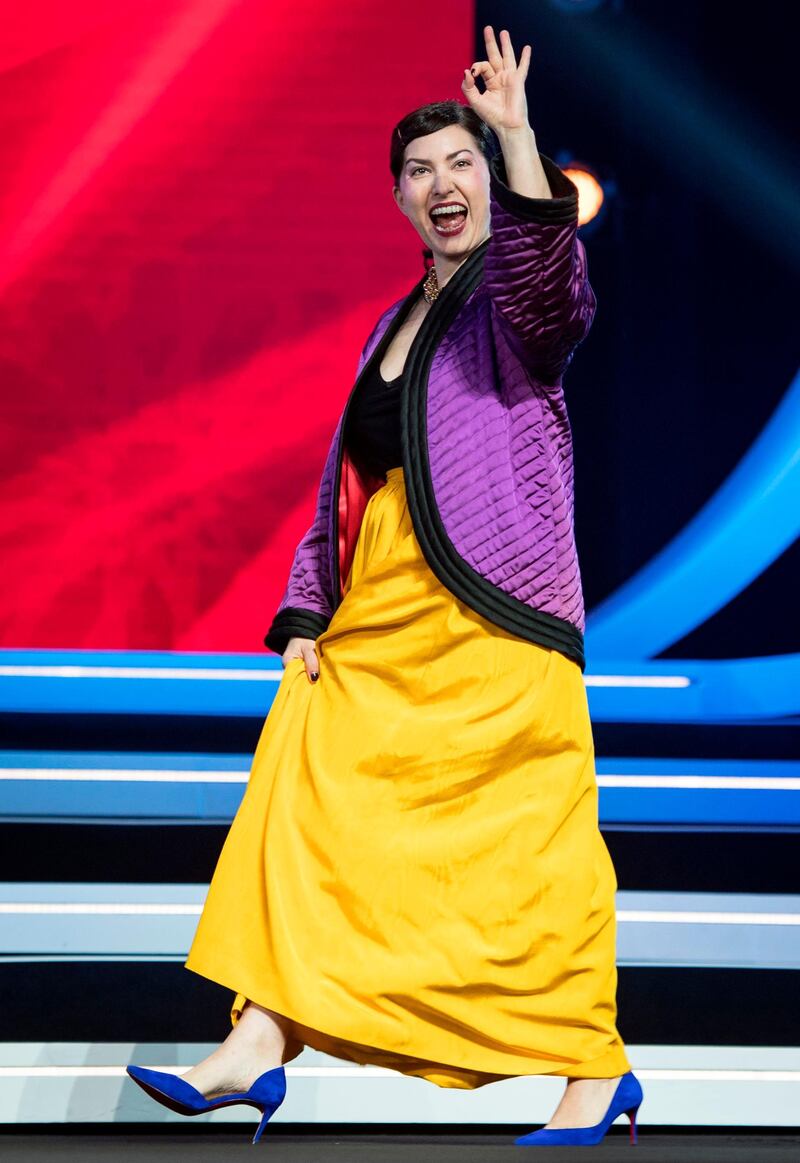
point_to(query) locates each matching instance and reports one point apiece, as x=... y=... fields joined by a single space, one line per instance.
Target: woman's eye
x=461 y=161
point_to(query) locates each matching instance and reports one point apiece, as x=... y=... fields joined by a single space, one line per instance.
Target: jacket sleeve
x=535 y=272
x=306 y=607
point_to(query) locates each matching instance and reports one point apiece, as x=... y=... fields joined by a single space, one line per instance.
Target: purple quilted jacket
x=486 y=440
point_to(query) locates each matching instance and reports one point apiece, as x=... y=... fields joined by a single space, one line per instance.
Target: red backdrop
x=197 y=234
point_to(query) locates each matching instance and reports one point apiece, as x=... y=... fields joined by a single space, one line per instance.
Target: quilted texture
x=499 y=437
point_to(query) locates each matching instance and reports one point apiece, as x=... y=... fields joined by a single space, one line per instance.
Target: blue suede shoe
x=627 y=1099
x=266 y=1094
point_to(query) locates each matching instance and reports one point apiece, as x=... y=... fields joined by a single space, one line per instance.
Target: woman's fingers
x=304 y=649
x=506 y=60
x=482 y=69
x=492 y=51
x=509 y=60
x=312 y=666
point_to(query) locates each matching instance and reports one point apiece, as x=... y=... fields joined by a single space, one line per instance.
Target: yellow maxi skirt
x=415 y=876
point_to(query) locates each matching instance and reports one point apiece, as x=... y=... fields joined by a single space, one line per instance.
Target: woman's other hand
x=503 y=106
x=304 y=648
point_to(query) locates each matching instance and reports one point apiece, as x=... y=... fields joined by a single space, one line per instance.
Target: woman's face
x=446 y=167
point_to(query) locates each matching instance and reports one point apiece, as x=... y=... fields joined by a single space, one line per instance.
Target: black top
x=373 y=422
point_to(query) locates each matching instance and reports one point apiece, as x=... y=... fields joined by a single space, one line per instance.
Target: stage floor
x=401 y=1146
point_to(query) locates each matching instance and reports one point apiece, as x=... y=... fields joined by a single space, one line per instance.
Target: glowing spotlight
x=591 y=190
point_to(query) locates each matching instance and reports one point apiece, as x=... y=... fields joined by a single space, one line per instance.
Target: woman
x=415 y=877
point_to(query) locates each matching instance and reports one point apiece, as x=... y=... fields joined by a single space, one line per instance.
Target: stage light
x=591 y=189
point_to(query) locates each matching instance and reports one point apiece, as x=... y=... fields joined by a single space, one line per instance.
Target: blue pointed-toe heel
x=266 y=1094
x=626 y=1099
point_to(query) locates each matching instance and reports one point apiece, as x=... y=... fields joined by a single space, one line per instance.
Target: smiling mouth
x=449 y=222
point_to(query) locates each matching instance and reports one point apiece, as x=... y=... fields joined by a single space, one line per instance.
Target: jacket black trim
x=293 y=622
x=457 y=575
x=561 y=208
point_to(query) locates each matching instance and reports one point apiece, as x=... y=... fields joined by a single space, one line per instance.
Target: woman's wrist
x=523 y=166
x=516 y=133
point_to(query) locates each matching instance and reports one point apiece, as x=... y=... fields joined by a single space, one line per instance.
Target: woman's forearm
x=523 y=167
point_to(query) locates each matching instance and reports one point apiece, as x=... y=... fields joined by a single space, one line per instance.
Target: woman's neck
x=446 y=267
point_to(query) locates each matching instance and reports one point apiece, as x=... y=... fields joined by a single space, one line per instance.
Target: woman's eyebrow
x=427 y=161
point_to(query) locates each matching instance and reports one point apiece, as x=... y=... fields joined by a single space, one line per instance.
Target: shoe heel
x=266 y=1094
x=632 y=1116
x=265 y=1117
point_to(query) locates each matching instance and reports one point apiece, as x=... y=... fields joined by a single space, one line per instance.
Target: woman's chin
x=451 y=247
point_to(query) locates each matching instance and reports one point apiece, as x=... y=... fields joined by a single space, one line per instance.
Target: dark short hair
x=430 y=118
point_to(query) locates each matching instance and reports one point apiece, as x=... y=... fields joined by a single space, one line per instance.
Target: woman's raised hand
x=304 y=648
x=503 y=106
